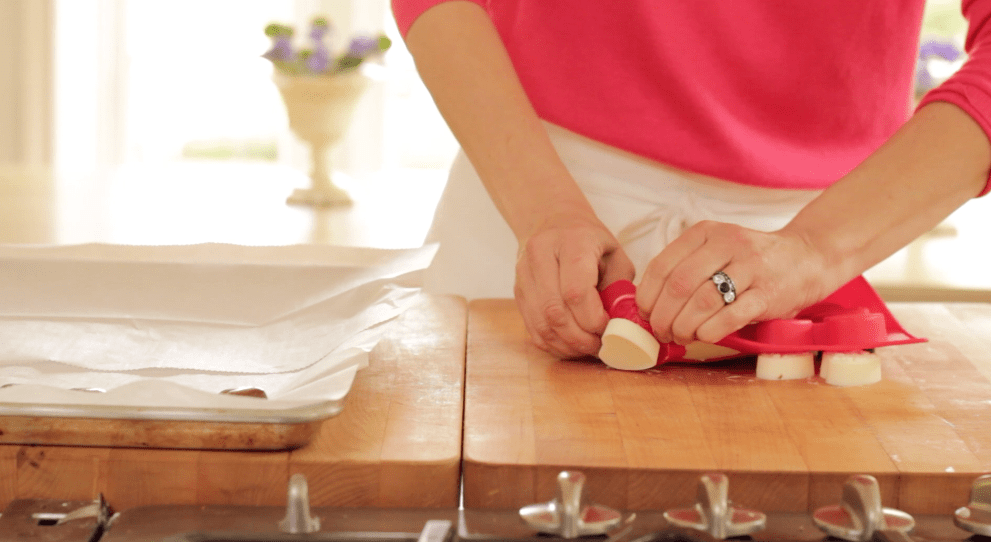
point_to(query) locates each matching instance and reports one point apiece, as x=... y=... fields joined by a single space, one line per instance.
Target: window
x=145 y=82
x=169 y=129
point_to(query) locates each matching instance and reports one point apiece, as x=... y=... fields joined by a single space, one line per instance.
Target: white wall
x=26 y=104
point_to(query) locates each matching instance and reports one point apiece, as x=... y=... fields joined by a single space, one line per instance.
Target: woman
x=773 y=143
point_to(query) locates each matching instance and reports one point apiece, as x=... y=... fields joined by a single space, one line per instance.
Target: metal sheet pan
x=176 y=428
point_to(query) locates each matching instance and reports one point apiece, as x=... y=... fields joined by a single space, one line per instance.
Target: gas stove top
x=858 y=516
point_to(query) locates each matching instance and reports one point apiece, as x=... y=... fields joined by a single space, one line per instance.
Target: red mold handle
x=620 y=301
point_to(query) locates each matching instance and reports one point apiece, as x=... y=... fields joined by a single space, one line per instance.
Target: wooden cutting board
x=644 y=438
x=397 y=442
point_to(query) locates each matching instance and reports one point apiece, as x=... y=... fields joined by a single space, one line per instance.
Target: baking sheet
x=161 y=331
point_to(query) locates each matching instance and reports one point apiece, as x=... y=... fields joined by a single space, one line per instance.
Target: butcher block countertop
x=644 y=438
x=397 y=442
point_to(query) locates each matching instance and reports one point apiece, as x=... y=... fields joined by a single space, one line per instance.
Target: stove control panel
x=859 y=517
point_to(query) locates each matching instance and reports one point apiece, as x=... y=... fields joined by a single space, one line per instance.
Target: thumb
x=615 y=266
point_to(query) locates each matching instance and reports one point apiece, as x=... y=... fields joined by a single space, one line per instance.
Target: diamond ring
x=725 y=286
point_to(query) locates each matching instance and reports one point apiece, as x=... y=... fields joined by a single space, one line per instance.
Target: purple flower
x=363 y=46
x=943 y=49
x=281 y=50
x=928 y=50
x=318 y=32
x=318 y=60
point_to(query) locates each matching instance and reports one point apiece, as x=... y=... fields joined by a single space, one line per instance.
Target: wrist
x=534 y=203
x=829 y=258
x=559 y=215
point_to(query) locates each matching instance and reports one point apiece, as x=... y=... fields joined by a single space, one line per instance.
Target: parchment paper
x=174 y=325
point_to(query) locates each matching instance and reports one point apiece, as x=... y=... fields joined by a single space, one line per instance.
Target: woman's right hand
x=560 y=268
x=565 y=251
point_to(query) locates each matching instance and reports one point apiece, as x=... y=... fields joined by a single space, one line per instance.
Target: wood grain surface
x=644 y=438
x=396 y=444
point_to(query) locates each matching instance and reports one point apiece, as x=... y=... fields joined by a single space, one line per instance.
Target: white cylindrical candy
x=786 y=366
x=627 y=346
x=850 y=368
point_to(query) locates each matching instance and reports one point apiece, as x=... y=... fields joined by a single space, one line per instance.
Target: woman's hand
x=932 y=165
x=775 y=275
x=559 y=268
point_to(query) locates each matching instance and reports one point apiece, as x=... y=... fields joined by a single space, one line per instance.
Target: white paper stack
x=172 y=326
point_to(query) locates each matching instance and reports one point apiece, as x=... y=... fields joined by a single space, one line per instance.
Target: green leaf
x=384 y=43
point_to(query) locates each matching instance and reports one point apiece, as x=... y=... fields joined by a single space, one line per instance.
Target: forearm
x=931 y=166
x=464 y=64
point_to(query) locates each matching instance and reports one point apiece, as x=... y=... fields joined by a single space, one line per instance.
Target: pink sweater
x=790 y=94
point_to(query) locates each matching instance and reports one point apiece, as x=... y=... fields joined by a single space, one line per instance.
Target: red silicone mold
x=852 y=318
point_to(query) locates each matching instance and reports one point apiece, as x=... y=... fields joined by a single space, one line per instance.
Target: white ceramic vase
x=320 y=110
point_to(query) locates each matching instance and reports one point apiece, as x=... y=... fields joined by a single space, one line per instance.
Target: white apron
x=644 y=203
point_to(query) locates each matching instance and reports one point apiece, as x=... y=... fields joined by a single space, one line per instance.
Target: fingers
x=774 y=276
x=706 y=313
x=615 y=266
x=579 y=278
x=678 y=292
x=677 y=289
x=660 y=268
x=557 y=295
x=733 y=316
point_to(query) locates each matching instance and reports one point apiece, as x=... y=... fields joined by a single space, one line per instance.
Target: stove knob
x=860 y=513
x=298 y=519
x=565 y=516
x=713 y=513
x=976 y=516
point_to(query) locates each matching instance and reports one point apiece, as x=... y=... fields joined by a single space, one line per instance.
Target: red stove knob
x=860 y=514
x=976 y=516
x=713 y=513
x=566 y=515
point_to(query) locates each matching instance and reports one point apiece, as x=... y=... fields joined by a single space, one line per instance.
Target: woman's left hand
x=775 y=276
x=936 y=162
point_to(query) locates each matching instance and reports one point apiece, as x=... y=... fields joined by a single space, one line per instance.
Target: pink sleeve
x=406 y=11
x=970 y=87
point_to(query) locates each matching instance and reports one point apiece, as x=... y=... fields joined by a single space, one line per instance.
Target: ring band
x=725 y=286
